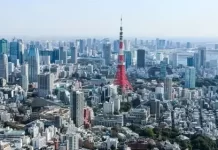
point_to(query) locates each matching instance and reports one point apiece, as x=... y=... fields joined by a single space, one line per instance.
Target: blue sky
x=145 y=18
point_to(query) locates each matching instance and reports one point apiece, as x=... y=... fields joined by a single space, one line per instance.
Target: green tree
x=125 y=106
x=147 y=132
x=202 y=142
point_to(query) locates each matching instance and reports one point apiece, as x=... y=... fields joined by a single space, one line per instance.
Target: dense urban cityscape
x=119 y=93
x=108 y=94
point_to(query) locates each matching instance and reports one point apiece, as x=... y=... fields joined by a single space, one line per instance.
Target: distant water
x=210 y=55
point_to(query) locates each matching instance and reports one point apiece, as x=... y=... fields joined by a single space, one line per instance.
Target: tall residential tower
x=76 y=107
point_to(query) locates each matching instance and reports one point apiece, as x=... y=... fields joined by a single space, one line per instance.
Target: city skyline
x=143 y=18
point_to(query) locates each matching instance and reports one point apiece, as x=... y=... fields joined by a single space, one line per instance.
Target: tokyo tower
x=121 y=78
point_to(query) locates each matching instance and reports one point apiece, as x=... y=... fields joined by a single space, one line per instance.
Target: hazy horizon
x=101 y=18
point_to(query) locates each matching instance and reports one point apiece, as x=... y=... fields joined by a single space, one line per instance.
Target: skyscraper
x=141 y=58
x=34 y=66
x=126 y=45
x=63 y=55
x=155 y=108
x=76 y=107
x=188 y=45
x=73 y=54
x=24 y=77
x=196 y=61
x=163 y=69
x=45 y=84
x=175 y=60
x=4 y=66
x=89 y=43
x=202 y=56
x=107 y=53
x=82 y=45
x=55 y=55
x=128 y=58
x=116 y=46
x=16 y=51
x=3 y=46
x=20 y=51
x=190 y=77
x=10 y=67
x=168 y=88
x=190 y=61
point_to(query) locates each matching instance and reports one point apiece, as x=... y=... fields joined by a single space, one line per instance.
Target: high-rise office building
x=3 y=46
x=196 y=61
x=82 y=45
x=190 y=61
x=160 y=43
x=55 y=55
x=45 y=84
x=107 y=53
x=188 y=45
x=163 y=69
x=202 y=56
x=190 y=77
x=126 y=45
x=48 y=45
x=159 y=57
x=46 y=56
x=76 y=107
x=175 y=60
x=89 y=43
x=141 y=58
x=24 y=76
x=21 y=51
x=155 y=108
x=116 y=46
x=73 y=54
x=128 y=58
x=10 y=67
x=25 y=55
x=168 y=88
x=4 y=66
x=63 y=55
x=16 y=51
x=34 y=66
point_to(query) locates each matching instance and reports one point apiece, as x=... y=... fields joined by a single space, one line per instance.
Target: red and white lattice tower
x=120 y=78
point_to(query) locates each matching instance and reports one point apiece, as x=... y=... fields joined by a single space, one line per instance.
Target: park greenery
x=195 y=141
x=125 y=106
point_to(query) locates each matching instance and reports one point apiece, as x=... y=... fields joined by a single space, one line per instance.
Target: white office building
x=10 y=67
x=108 y=107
